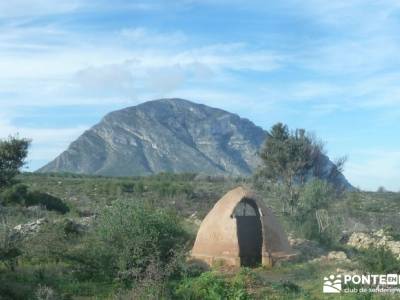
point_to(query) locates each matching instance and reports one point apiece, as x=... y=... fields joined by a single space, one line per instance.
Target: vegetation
x=211 y=285
x=288 y=159
x=19 y=194
x=97 y=262
x=128 y=238
x=313 y=217
x=378 y=260
x=13 y=152
x=292 y=158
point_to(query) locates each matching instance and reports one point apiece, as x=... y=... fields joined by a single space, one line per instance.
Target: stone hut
x=241 y=231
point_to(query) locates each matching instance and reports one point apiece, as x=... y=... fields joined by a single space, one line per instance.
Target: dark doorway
x=249 y=232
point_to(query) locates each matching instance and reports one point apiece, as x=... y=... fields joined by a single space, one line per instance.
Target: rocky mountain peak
x=166 y=135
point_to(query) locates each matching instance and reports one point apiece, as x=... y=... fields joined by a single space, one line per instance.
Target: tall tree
x=289 y=157
x=13 y=152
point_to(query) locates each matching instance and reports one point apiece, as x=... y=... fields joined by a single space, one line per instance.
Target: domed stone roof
x=241 y=230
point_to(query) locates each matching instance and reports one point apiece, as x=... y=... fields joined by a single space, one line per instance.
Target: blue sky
x=331 y=67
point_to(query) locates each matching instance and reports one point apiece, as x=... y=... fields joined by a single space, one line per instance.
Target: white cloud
x=345 y=61
x=114 y=67
x=105 y=81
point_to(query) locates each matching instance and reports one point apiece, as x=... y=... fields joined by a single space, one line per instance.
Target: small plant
x=45 y=293
x=287 y=287
x=210 y=286
x=378 y=260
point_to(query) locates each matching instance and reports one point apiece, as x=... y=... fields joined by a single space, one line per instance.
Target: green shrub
x=287 y=287
x=378 y=260
x=128 y=238
x=20 y=195
x=48 y=201
x=210 y=286
x=14 y=195
x=313 y=220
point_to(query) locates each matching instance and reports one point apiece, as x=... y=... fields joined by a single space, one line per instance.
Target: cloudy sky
x=331 y=67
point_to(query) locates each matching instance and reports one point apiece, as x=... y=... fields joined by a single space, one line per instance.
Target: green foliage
x=210 y=286
x=128 y=238
x=9 y=248
x=316 y=194
x=14 y=195
x=312 y=219
x=13 y=151
x=46 y=200
x=390 y=231
x=287 y=287
x=288 y=158
x=378 y=260
x=19 y=194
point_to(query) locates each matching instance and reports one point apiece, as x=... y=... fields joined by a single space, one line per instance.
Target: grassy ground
x=192 y=197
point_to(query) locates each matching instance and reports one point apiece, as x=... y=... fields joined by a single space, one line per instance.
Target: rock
x=71 y=226
x=337 y=255
x=87 y=221
x=363 y=240
x=77 y=226
x=23 y=230
x=194 y=219
x=308 y=249
x=380 y=233
x=166 y=135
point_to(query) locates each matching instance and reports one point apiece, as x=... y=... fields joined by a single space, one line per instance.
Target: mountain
x=167 y=135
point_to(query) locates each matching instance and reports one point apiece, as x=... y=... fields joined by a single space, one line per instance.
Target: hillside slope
x=168 y=135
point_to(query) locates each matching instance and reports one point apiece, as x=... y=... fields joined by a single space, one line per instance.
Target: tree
x=313 y=219
x=13 y=152
x=289 y=157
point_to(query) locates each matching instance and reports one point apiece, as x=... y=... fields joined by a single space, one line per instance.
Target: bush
x=312 y=219
x=20 y=195
x=128 y=238
x=14 y=195
x=378 y=260
x=48 y=201
x=210 y=286
x=287 y=287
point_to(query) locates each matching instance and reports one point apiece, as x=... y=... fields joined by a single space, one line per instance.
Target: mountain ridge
x=166 y=135
x=209 y=140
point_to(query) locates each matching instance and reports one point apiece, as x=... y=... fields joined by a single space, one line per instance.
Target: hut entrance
x=249 y=232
